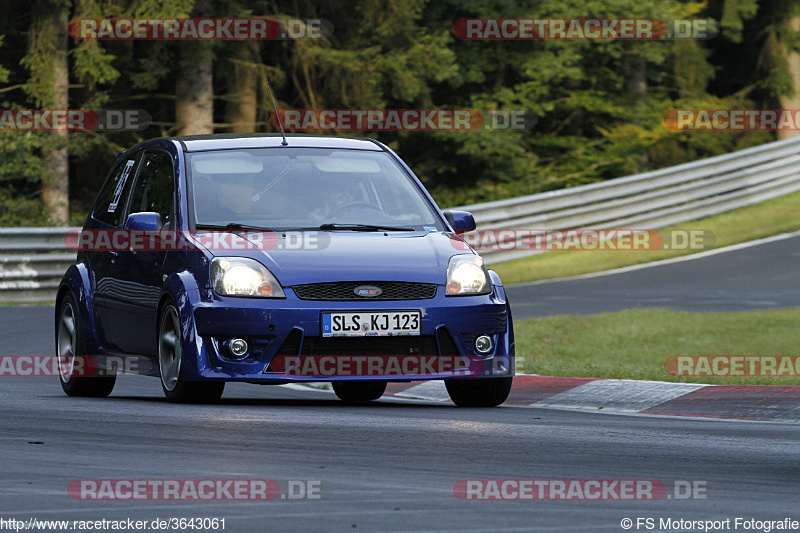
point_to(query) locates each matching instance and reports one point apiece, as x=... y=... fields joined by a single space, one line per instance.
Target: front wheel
x=489 y=392
x=72 y=355
x=170 y=364
x=359 y=391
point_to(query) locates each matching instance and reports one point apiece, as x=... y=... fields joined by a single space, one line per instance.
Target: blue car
x=258 y=259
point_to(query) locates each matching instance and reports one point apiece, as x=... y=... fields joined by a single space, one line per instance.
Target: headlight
x=239 y=276
x=467 y=275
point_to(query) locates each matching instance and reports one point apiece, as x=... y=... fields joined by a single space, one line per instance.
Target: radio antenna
x=277 y=115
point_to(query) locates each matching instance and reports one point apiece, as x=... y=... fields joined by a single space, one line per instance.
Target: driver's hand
x=335 y=201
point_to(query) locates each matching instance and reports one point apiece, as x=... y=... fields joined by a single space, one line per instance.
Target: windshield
x=290 y=188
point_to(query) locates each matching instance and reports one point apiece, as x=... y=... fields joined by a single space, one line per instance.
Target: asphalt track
x=392 y=466
x=751 y=278
x=387 y=467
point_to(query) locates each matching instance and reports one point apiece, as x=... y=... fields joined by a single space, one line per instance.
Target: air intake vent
x=365 y=290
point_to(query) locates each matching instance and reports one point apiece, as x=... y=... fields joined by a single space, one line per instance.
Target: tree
x=775 y=28
x=194 y=90
x=49 y=88
x=242 y=100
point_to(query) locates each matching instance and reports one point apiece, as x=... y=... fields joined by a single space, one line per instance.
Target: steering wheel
x=350 y=205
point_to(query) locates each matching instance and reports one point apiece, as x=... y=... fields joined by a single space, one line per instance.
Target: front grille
x=402 y=345
x=344 y=290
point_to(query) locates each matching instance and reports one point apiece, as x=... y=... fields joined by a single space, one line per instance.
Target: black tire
x=70 y=347
x=359 y=391
x=170 y=364
x=489 y=392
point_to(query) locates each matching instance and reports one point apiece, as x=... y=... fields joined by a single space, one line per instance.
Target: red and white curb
x=627 y=396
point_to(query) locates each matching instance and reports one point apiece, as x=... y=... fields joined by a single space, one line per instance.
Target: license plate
x=371 y=323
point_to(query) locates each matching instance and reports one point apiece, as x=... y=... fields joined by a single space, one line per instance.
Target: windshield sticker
x=120 y=185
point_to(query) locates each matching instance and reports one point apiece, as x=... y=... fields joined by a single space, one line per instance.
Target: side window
x=111 y=202
x=155 y=187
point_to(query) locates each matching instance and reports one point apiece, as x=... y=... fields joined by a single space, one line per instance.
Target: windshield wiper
x=362 y=227
x=229 y=227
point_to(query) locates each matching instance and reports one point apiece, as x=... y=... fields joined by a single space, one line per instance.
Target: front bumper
x=279 y=330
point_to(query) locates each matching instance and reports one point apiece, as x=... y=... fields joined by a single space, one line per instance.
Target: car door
x=108 y=216
x=138 y=270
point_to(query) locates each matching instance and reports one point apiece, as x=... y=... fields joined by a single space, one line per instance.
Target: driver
x=332 y=203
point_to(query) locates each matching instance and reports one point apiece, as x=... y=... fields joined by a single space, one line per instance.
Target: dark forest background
x=601 y=104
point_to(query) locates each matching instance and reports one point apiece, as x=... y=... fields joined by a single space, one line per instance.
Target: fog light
x=237 y=348
x=484 y=344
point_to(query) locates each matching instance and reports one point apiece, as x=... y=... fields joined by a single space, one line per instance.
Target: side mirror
x=460 y=221
x=145 y=221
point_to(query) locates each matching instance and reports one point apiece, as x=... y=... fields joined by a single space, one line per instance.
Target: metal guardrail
x=650 y=200
x=32 y=260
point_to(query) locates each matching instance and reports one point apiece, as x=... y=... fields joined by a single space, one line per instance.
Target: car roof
x=229 y=141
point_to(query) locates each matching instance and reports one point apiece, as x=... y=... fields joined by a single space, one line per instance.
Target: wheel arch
x=181 y=288
x=76 y=280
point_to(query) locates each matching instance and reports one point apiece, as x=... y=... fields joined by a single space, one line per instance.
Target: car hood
x=356 y=256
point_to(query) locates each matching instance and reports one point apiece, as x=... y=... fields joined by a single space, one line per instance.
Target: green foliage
x=3 y=71
x=162 y=8
x=600 y=104
x=691 y=68
x=93 y=65
x=21 y=174
x=591 y=127
x=17 y=209
x=734 y=15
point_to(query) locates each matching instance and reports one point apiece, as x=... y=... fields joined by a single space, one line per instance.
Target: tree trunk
x=194 y=89
x=635 y=70
x=791 y=101
x=242 y=105
x=635 y=76
x=55 y=190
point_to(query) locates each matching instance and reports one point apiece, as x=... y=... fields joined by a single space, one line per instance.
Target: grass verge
x=29 y=304
x=635 y=344
x=771 y=217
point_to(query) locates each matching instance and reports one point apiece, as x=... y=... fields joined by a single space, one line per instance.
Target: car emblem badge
x=368 y=291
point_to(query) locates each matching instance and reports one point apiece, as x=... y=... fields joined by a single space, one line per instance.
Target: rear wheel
x=71 y=353
x=170 y=364
x=359 y=391
x=489 y=392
